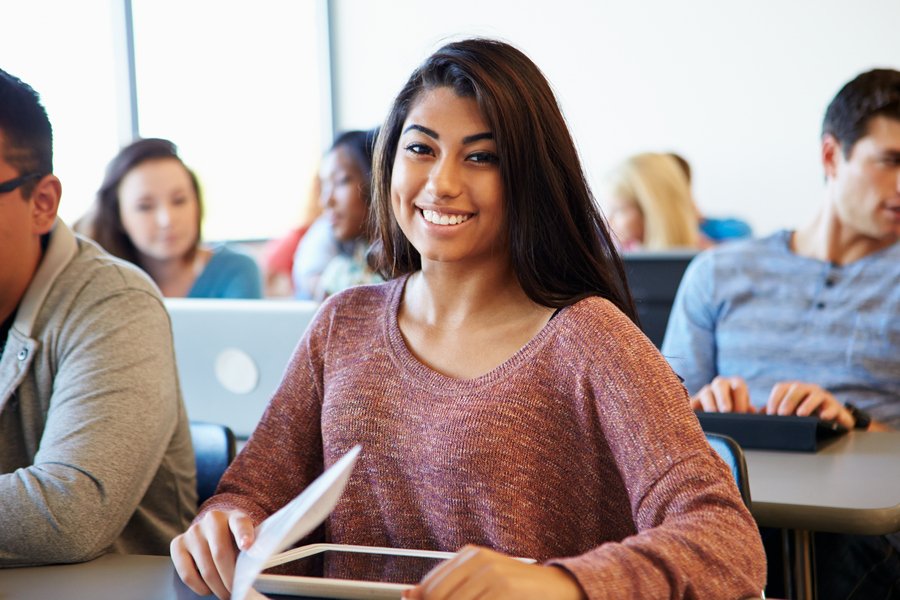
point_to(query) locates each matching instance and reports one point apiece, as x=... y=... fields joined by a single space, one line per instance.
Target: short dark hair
x=361 y=145
x=560 y=247
x=870 y=94
x=27 y=134
x=105 y=225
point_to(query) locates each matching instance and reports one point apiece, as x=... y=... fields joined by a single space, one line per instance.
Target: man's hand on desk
x=481 y=573
x=805 y=400
x=724 y=394
x=730 y=394
x=205 y=554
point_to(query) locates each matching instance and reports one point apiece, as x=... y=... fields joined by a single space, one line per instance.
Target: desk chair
x=653 y=278
x=214 y=449
x=733 y=455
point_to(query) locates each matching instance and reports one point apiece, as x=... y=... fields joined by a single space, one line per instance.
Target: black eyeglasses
x=12 y=184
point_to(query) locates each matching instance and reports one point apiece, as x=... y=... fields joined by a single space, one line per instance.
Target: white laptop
x=231 y=355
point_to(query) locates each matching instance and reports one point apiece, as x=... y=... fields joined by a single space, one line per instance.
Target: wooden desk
x=852 y=485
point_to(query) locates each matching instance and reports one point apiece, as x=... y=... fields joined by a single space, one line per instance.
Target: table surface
x=851 y=485
x=110 y=577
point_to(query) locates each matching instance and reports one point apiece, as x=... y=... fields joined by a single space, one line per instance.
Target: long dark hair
x=105 y=222
x=560 y=247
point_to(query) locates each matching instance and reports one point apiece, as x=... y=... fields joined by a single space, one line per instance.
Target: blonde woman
x=649 y=206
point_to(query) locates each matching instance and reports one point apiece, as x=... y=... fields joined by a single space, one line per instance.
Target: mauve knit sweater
x=580 y=451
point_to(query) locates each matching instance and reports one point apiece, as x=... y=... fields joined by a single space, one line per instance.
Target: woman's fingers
x=205 y=555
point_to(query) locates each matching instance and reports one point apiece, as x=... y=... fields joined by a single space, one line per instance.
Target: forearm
x=52 y=514
x=705 y=545
x=113 y=410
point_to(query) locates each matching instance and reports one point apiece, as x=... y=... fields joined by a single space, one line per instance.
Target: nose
x=327 y=199
x=163 y=216
x=444 y=179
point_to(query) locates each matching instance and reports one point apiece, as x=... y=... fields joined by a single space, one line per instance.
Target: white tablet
x=352 y=572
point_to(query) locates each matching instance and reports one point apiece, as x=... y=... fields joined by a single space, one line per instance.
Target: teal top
x=228 y=274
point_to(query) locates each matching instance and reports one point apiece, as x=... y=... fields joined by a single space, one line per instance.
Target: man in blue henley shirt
x=807 y=322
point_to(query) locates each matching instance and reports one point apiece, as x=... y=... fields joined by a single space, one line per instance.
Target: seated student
x=345 y=193
x=502 y=395
x=148 y=212
x=806 y=321
x=649 y=205
x=715 y=230
x=95 y=449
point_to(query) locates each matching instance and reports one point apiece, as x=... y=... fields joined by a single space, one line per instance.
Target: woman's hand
x=205 y=554
x=481 y=573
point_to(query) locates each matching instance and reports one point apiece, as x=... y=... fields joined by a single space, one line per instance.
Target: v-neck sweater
x=580 y=450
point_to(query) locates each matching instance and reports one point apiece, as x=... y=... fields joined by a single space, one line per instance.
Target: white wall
x=737 y=88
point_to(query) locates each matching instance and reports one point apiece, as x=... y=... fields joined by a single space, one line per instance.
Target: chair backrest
x=653 y=278
x=731 y=452
x=214 y=449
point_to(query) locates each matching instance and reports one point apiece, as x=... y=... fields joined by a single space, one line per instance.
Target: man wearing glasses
x=95 y=452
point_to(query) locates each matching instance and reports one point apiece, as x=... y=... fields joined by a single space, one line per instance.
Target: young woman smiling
x=506 y=403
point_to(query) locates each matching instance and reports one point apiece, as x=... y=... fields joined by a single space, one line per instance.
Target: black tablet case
x=772 y=432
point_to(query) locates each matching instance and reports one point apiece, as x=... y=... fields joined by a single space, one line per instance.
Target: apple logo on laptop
x=236 y=371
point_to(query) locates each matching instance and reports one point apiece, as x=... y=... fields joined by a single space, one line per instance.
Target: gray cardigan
x=95 y=449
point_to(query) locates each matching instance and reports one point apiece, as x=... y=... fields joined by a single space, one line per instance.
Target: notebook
x=231 y=355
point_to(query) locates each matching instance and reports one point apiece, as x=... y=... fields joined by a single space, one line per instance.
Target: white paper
x=297 y=518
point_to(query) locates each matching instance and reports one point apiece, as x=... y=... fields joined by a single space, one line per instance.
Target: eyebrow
x=429 y=132
x=487 y=135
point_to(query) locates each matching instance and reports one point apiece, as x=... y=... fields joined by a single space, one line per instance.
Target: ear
x=44 y=204
x=832 y=155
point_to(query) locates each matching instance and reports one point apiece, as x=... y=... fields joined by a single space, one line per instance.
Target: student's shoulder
x=361 y=306
x=363 y=301
x=99 y=274
x=95 y=287
x=738 y=254
x=226 y=258
x=596 y=336
x=594 y=318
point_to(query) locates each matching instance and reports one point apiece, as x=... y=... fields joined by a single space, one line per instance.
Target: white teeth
x=433 y=216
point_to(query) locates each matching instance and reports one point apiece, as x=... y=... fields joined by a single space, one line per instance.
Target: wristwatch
x=861 y=418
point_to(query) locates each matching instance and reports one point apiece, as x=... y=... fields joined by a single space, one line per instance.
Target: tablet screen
x=359 y=566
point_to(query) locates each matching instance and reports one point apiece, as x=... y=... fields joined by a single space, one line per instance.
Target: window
x=237 y=87
x=69 y=60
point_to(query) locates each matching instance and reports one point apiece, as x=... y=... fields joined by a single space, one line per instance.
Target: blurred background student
x=332 y=255
x=649 y=206
x=148 y=211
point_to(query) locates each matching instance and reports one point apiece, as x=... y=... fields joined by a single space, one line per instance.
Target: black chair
x=214 y=449
x=731 y=452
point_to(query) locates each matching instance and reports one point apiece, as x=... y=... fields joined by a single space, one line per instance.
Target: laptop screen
x=231 y=355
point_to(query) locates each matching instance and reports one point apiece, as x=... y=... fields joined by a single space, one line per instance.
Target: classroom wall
x=737 y=88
